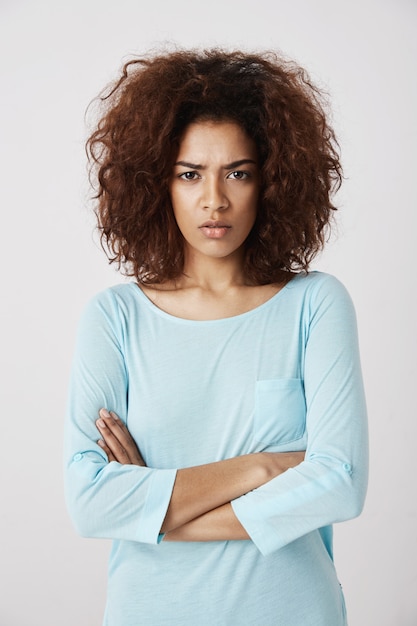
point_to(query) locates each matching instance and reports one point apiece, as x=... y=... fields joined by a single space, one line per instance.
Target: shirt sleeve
x=330 y=485
x=106 y=499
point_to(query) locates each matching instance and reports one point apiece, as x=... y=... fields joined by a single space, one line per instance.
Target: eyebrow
x=228 y=166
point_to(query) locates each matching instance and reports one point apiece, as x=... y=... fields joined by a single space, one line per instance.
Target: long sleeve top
x=284 y=376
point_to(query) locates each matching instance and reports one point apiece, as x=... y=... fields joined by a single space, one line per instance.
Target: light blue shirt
x=284 y=376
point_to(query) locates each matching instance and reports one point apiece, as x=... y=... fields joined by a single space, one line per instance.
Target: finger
x=112 y=441
x=113 y=445
x=106 y=449
x=119 y=430
x=128 y=442
x=119 y=439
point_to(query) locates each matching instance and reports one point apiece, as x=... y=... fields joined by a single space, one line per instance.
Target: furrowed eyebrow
x=234 y=164
x=192 y=166
x=228 y=166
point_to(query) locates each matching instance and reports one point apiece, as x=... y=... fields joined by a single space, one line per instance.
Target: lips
x=215 y=229
x=214 y=224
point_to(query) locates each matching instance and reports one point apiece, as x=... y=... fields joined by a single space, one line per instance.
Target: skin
x=214 y=193
x=213 y=284
x=216 y=178
x=200 y=508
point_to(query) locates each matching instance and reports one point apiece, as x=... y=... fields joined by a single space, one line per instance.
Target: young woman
x=216 y=424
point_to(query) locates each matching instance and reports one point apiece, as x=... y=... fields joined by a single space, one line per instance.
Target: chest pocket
x=280 y=411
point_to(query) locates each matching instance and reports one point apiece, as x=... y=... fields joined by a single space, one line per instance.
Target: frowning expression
x=215 y=187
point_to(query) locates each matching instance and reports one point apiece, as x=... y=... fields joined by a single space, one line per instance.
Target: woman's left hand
x=117 y=441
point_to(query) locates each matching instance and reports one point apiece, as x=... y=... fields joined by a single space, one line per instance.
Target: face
x=214 y=188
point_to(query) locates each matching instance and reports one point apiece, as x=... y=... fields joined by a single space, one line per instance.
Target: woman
x=216 y=425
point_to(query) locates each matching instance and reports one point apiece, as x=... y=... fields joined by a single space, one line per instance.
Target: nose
x=214 y=194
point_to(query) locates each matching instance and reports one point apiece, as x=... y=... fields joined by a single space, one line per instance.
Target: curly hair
x=133 y=148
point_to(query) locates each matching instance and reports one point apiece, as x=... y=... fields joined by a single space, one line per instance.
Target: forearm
x=220 y=524
x=201 y=489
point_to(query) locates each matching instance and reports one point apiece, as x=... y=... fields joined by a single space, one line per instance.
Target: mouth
x=215 y=224
x=214 y=229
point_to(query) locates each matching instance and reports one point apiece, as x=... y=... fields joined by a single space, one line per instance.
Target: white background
x=55 y=56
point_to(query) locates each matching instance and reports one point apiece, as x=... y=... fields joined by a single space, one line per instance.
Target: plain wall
x=55 y=57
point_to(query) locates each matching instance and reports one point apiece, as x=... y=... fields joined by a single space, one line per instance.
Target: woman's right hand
x=202 y=488
x=120 y=446
x=117 y=441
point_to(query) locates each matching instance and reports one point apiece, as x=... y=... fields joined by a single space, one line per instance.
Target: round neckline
x=152 y=306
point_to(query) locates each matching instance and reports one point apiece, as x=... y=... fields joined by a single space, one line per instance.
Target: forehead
x=226 y=139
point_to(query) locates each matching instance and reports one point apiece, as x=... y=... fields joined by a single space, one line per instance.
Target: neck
x=212 y=274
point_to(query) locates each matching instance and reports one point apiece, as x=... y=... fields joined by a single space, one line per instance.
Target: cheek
x=176 y=203
x=181 y=215
x=180 y=200
x=252 y=204
x=249 y=197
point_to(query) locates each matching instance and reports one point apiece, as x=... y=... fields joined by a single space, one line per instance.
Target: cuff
x=157 y=502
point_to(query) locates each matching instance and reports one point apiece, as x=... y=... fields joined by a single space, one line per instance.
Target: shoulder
x=116 y=295
x=314 y=283
x=319 y=292
x=111 y=304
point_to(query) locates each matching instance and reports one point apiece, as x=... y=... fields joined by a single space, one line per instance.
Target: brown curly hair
x=133 y=149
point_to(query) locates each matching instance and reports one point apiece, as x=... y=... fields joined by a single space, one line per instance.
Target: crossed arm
x=200 y=509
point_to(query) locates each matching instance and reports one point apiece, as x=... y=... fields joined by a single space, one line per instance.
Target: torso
x=198 y=392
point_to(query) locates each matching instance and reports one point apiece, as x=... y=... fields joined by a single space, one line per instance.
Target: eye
x=188 y=175
x=238 y=175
